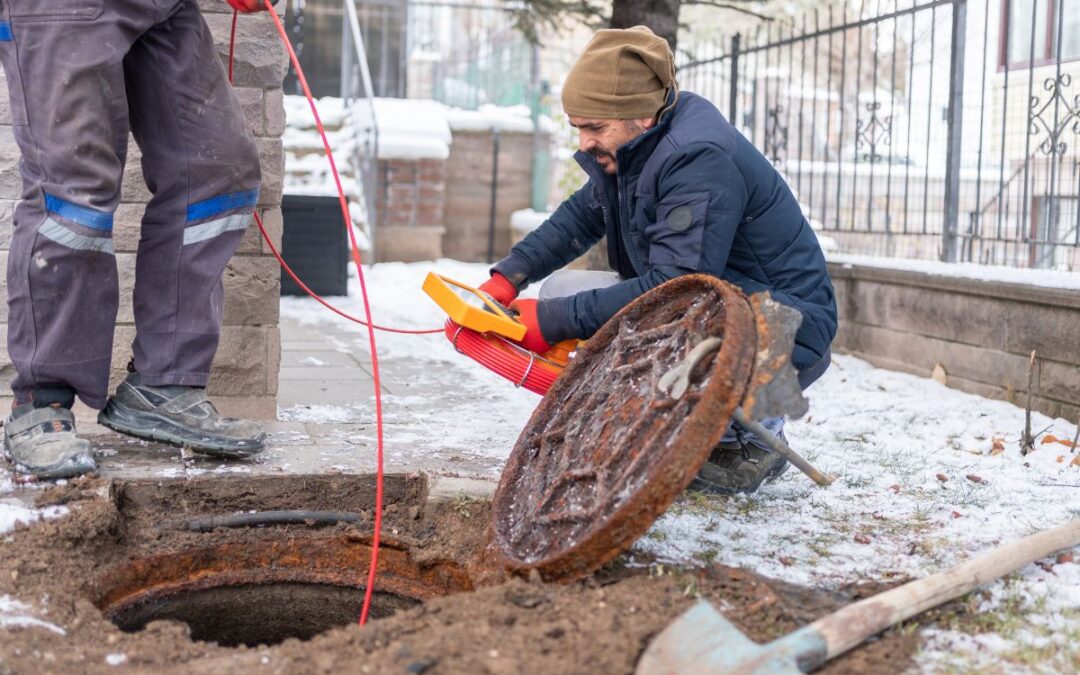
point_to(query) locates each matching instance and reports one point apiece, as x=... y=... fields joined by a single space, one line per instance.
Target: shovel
x=703 y=641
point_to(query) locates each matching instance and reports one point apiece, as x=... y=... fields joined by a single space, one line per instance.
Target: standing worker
x=81 y=74
x=677 y=190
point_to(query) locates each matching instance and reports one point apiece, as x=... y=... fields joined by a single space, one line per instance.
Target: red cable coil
x=504 y=358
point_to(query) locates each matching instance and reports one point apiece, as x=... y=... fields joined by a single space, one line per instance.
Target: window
x=1030 y=31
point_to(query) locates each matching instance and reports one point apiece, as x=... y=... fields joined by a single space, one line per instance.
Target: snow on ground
x=15 y=614
x=926 y=477
x=14 y=511
x=433 y=387
x=11 y=514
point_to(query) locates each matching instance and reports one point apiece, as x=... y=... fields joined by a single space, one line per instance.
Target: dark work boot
x=738 y=467
x=40 y=436
x=179 y=415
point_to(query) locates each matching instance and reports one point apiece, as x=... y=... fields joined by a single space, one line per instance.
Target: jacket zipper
x=624 y=233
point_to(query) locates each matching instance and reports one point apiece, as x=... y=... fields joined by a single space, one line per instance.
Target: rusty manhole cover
x=605 y=454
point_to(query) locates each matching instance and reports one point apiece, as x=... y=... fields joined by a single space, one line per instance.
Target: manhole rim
x=165 y=575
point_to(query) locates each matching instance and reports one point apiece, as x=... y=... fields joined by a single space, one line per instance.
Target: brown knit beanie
x=623 y=74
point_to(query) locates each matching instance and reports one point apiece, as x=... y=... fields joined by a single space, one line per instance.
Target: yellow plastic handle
x=471 y=308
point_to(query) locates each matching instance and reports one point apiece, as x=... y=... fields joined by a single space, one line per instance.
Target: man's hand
x=534 y=339
x=500 y=289
x=247 y=5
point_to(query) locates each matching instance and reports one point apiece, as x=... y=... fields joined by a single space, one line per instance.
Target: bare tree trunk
x=662 y=16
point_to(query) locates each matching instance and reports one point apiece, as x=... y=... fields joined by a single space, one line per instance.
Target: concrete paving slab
x=350 y=372
x=323 y=391
x=315 y=358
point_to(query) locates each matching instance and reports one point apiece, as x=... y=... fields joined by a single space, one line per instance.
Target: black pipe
x=494 y=191
x=296 y=517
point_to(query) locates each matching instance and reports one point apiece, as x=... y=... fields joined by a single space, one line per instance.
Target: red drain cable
x=355 y=249
x=504 y=357
x=501 y=356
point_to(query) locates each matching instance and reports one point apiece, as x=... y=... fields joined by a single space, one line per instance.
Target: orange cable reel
x=487 y=332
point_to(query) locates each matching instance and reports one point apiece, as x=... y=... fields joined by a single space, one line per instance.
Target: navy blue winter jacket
x=691 y=195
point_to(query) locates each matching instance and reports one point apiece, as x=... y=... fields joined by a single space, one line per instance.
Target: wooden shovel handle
x=849 y=626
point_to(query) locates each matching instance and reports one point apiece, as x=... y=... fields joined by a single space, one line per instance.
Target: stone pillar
x=245 y=376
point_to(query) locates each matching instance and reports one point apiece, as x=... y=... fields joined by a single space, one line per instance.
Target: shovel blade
x=703 y=641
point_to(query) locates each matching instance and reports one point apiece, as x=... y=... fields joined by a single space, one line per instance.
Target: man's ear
x=647 y=122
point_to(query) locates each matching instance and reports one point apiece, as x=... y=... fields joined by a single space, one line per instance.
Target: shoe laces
x=743 y=446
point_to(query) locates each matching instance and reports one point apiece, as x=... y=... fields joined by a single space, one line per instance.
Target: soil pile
x=600 y=625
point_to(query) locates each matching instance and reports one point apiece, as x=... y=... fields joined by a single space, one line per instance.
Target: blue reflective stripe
x=95 y=220
x=215 y=205
x=5 y=31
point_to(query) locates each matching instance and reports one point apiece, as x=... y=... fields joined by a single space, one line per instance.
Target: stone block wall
x=981 y=332
x=245 y=376
x=410 y=199
x=469 y=175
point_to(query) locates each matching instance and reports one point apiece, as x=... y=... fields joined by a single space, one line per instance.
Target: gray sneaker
x=43 y=442
x=181 y=416
x=738 y=467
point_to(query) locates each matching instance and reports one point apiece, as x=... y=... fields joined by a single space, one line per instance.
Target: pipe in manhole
x=264 y=592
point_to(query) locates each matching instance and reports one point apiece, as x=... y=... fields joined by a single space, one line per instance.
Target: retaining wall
x=981 y=332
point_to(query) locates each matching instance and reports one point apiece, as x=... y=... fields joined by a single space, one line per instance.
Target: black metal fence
x=928 y=129
x=466 y=53
x=316 y=28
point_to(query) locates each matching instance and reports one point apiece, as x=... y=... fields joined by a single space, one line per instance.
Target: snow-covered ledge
x=979 y=324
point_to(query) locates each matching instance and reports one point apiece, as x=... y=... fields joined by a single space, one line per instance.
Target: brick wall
x=410 y=196
x=245 y=375
x=468 y=190
x=981 y=332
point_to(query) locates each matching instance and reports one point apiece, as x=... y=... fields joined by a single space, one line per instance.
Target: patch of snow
x=116 y=659
x=506 y=119
x=331 y=111
x=412 y=129
x=1033 y=277
x=527 y=220
x=320 y=414
x=15 y=614
x=11 y=514
x=312 y=361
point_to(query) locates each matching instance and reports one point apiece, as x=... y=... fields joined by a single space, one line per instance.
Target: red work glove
x=534 y=339
x=500 y=289
x=247 y=5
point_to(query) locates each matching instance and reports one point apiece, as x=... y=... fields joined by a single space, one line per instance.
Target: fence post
x=493 y=214
x=949 y=248
x=736 y=39
x=346 y=57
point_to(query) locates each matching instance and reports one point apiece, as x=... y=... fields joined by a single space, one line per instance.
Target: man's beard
x=599 y=152
x=633 y=128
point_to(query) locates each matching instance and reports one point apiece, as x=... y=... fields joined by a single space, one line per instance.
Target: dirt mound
x=62 y=569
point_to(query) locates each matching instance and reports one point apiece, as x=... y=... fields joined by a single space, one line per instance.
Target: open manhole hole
x=259 y=614
x=264 y=592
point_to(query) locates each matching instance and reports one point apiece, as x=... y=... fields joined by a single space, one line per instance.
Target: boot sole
x=152 y=427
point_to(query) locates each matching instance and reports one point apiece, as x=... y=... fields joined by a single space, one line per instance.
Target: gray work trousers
x=570 y=282
x=81 y=75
